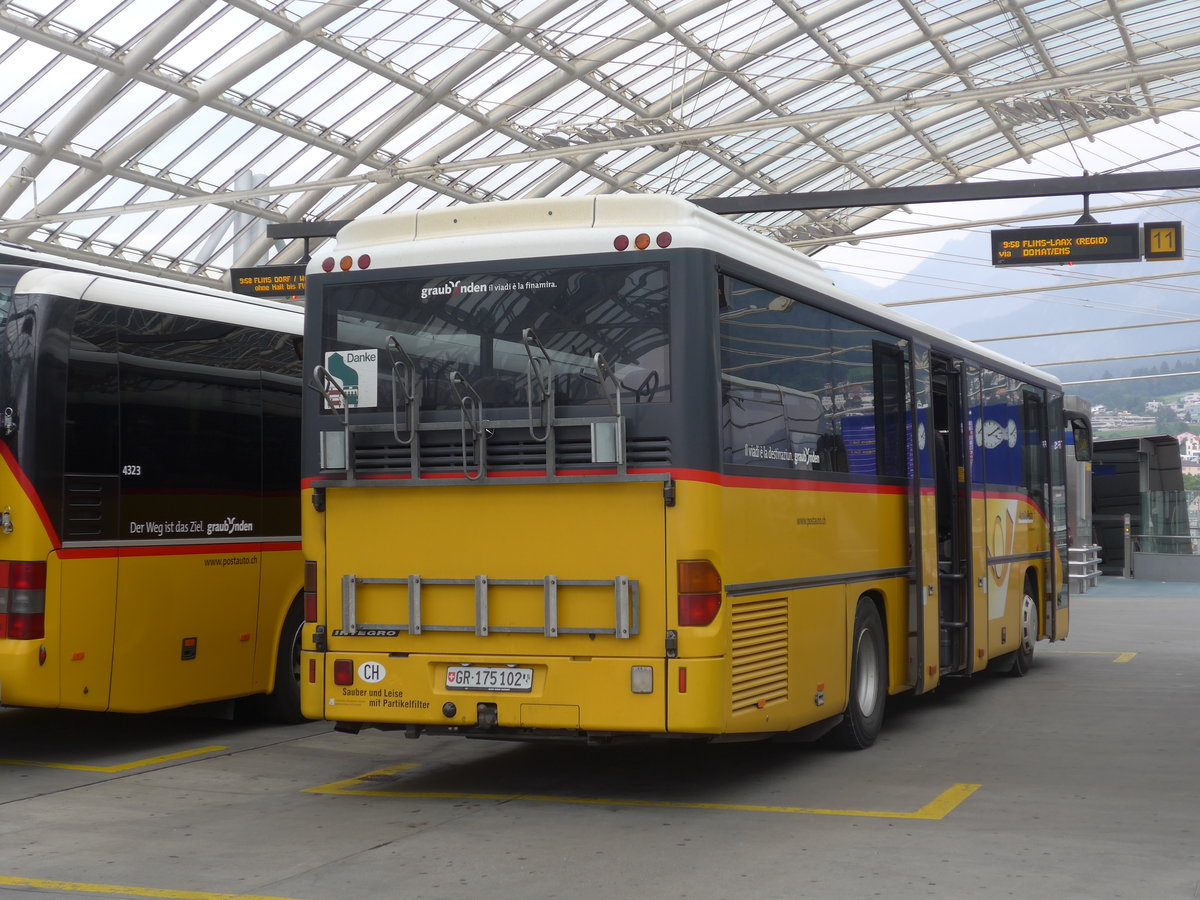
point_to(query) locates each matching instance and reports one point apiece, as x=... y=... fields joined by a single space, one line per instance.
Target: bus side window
x=891 y=451
x=1033 y=439
x=191 y=419
x=281 y=378
x=91 y=464
x=755 y=427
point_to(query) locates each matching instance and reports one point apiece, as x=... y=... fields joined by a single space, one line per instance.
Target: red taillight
x=699 y=592
x=664 y=239
x=310 y=591
x=22 y=600
x=23 y=575
x=26 y=626
x=343 y=671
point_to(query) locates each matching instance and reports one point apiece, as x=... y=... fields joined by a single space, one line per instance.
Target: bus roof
x=19 y=255
x=566 y=226
x=164 y=297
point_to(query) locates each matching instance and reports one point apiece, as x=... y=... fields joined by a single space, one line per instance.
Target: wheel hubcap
x=1028 y=623
x=866 y=690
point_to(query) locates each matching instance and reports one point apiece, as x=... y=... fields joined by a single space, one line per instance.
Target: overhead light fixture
x=1055 y=109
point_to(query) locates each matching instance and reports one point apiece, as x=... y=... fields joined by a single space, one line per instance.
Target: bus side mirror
x=1081 y=431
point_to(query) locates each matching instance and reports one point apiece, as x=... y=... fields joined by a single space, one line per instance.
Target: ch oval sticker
x=371 y=672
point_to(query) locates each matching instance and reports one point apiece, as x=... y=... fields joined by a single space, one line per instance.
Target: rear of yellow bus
x=492 y=467
x=27 y=535
x=104 y=605
x=23 y=581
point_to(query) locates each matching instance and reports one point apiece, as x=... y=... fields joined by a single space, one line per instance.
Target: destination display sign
x=268 y=281
x=1060 y=244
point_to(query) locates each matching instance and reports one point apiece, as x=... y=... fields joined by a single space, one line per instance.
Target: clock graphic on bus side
x=992 y=434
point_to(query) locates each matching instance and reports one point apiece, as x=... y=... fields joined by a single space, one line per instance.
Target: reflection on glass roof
x=168 y=140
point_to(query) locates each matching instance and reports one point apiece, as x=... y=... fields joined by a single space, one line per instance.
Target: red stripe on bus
x=30 y=492
x=761 y=482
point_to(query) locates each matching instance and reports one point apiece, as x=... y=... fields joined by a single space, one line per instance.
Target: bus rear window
x=473 y=326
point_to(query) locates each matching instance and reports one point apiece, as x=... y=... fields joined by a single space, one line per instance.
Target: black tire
x=1022 y=657
x=861 y=724
x=282 y=705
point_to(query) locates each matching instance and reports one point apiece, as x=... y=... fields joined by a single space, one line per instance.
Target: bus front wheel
x=1018 y=662
x=868 y=681
x=1023 y=658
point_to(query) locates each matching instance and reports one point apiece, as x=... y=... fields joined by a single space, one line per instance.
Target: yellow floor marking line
x=120 y=767
x=934 y=810
x=1122 y=656
x=84 y=887
x=348 y=785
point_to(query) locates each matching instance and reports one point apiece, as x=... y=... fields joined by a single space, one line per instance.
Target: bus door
x=1044 y=481
x=975 y=497
x=923 y=652
x=952 y=515
x=1071 y=480
x=946 y=614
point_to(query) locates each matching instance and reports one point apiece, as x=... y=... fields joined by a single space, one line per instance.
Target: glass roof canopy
x=165 y=141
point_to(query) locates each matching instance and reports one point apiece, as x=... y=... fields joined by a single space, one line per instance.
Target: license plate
x=489 y=678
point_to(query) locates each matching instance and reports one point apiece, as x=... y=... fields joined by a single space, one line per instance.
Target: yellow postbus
x=149 y=493
x=603 y=466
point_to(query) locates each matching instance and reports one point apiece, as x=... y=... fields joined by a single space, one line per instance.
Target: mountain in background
x=961 y=265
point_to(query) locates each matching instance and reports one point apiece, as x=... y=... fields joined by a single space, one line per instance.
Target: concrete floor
x=1081 y=780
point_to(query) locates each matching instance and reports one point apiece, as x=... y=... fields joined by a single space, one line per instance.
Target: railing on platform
x=1083 y=568
x=1162 y=557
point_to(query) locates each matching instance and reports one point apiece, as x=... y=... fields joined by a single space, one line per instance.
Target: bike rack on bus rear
x=607 y=433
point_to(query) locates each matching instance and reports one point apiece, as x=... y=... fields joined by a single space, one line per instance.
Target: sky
x=999 y=302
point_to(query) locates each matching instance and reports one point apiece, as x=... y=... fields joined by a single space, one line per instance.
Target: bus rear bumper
x=568 y=696
x=25 y=677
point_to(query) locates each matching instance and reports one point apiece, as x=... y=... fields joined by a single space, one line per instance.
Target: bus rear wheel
x=868 y=681
x=283 y=703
